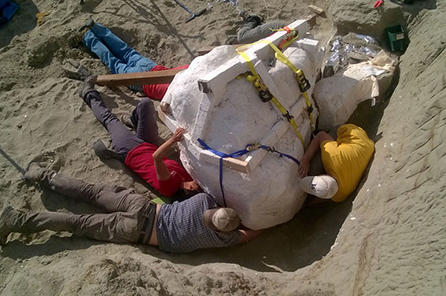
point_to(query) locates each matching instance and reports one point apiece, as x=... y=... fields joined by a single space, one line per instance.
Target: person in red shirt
x=140 y=151
x=157 y=91
x=119 y=57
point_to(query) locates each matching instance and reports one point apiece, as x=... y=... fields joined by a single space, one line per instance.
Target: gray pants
x=123 y=140
x=251 y=32
x=122 y=223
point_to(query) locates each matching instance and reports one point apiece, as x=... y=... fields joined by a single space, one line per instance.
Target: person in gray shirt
x=195 y=223
x=253 y=29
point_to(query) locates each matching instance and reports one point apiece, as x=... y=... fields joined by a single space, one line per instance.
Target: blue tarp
x=8 y=9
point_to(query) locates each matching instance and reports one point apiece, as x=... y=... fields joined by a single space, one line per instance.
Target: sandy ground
x=387 y=239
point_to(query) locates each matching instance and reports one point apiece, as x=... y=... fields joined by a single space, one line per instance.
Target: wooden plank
x=207 y=49
x=230 y=163
x=311 y=19
x=140 y=78
x=316 y=9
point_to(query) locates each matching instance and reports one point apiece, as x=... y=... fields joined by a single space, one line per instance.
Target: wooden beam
x=316 y=9
x=140 y=78
x=230 y=163
x=311 y=20
x=206 y=49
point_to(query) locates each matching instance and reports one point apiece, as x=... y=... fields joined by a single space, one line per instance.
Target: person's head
x=323 y=186
x=190 y=187
x=221 y=219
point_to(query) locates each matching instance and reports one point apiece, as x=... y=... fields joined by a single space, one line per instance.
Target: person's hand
x=178 y=135
x=304 y=167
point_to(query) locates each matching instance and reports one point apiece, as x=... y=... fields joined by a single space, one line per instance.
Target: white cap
x=323 y=186
x=222 y=219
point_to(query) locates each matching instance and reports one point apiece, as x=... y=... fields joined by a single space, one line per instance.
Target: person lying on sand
x=253 y=30
x=345 y=160
x=119 y=57
x=185 y=226
x=139 y=151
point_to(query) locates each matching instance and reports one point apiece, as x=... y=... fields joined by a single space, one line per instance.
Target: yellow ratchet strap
x=265 y=94
x=291 y=36
x=302 y=81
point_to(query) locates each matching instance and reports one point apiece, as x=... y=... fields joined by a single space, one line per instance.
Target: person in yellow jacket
x=344 y=159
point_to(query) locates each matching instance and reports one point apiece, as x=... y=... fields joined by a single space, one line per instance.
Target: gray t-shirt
x=180 y=226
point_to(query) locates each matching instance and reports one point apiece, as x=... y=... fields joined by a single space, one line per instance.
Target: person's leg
x=123 y=140
x=120 y=49
x=115 y=227
x=144 y=120
x=111 y=198
x=250 y=23
x=251 y=31
x=115 y=65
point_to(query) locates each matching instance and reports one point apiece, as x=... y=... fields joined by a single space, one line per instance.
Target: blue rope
x=273 y=150
x=249 y=148
x=222 y=156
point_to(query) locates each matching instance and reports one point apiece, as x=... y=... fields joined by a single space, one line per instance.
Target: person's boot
x=7 y=220
x=254 y=19
x=243 y=14
x=34 y=173
x=39 y=175
x=232 y=39
x=76 y=40
x=89 y=23
x=87 y=85
x=103 y=152
x=74 y=70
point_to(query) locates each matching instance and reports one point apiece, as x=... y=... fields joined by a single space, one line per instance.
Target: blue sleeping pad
x=8 y=9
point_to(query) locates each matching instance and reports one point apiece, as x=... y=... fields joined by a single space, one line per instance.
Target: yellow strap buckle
x=264 y=93
x=302 y=81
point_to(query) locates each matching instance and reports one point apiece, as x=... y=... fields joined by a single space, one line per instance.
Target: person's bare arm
x=311 y=151
x=248 y=234
x=162 y=172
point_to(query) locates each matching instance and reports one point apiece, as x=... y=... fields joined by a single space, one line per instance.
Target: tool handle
x=179 y=3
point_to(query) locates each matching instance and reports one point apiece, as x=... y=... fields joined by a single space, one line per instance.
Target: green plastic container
x=396 y=38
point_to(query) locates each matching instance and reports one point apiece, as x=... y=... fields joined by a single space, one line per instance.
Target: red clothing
x=140 y=160
x=157 y=91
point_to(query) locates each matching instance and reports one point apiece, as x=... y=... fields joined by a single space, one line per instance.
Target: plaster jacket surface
x=230 y=115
